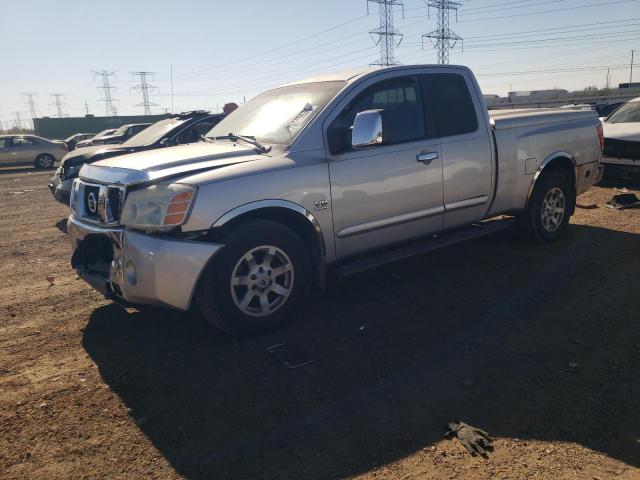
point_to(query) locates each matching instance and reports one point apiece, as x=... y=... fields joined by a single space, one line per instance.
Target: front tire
x=547 y=217
x=258 y=280
x=44 y=161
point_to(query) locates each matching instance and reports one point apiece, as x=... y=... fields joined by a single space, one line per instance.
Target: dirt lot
x=538 y=345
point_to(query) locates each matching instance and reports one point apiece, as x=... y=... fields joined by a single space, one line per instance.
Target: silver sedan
x=30 y=150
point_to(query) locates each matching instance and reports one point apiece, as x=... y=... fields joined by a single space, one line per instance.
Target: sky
x=223 y=51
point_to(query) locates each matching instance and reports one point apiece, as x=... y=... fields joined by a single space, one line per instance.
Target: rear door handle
x=427 y=157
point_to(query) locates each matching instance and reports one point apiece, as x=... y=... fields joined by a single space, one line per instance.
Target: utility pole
x=106 y=88
x=86 y=108
x=631 y=69
x=171 y=75
x=144 y=88
x=386 y=32
x=57 y=101
x=607 y=84
x=442 y=38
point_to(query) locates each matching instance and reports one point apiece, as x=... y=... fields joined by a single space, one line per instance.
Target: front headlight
x=158 y=207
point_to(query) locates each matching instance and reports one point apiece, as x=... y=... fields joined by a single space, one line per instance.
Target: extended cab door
x=466 y=147
x=389 y=192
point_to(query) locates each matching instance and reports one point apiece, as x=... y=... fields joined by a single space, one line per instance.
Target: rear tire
x=258 y=280
x=44 y=161
x=547 y=216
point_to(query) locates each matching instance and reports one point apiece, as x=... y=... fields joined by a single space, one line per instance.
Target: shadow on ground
x=485 y=333
x=62 y=225
x=8 y=170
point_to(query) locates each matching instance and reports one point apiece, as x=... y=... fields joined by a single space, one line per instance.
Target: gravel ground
x=539 y=345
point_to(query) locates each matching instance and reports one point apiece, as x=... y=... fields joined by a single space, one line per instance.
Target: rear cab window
x=448 y=96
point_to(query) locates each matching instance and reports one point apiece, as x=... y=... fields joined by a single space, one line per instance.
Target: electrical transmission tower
x=106 y=88
x=388 y=35
x=17 y=122
x=57 y=101
x=442 y=38
x=31 y=103
x=144 y=88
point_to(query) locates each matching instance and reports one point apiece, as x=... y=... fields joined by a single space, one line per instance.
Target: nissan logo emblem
x=92 y=202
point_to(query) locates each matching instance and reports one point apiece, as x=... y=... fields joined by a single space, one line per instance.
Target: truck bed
x=505 y=119
x=526 y=137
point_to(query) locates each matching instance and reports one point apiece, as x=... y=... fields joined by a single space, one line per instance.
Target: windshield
x=121 y=130
x=104 y=133
x=154 y=132
x=278 y=115
x=629 y=112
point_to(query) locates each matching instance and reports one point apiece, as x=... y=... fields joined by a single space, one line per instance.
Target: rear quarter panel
x=523 y=148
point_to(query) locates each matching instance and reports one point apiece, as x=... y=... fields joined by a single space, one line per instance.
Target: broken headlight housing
x=158 y=207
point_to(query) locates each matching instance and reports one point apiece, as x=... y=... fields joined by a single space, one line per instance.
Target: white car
x=622 y=136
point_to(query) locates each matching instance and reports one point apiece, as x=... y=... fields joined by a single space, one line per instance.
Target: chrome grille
x=96 y=203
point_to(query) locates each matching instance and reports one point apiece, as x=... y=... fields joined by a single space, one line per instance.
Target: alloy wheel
x=262 y=281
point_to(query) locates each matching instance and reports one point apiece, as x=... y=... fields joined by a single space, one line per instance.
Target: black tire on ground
x=44 y=160
x=219 y=302
x=551 y=193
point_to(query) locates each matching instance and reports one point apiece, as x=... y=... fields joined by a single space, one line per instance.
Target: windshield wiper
x=252 y=141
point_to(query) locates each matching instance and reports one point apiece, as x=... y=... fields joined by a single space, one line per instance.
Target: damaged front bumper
x=136 y=268
x=60 y=189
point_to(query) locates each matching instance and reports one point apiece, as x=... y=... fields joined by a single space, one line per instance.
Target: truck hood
x=152 y=165
x=622 y=131
x=86 y=154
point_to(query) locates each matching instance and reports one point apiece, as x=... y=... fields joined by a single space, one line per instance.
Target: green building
x=61 y=128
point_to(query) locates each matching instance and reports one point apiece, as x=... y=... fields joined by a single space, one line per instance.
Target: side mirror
x=367 y=129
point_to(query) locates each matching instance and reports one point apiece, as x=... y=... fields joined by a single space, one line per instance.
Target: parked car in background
x=346 y=171
x=120 y=135
x=95 y=138
x=179 y=129
x=78 y=137
x=606 y=110
x=622 y=139
x=30 y=150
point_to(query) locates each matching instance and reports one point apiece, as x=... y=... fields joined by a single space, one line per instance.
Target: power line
x=281 y=47
x=553 y=39
x=443 y=38
x=106 y=88
x=530 y=33
x=57 y=101
x=591 y=5
x=386 y=32
x=144 y=88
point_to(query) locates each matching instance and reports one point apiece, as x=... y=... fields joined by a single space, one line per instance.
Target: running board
x=435 y=242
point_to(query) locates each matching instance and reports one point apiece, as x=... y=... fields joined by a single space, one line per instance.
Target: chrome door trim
x=389 y=222
x=469 y=202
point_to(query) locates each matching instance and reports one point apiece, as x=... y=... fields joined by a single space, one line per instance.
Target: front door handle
x=427 y=157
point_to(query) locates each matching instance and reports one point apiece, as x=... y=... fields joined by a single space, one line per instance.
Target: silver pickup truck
x=342 y=172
